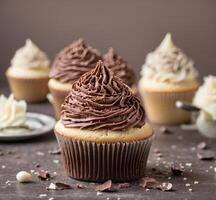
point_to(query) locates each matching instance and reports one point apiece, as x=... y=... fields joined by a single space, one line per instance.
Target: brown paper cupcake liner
x=91 y=161
x=31 y=90
x=58 y=99
x=161 y=109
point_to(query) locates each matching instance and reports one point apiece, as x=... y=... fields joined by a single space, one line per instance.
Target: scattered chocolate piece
x=37 y=165
x=123 y=185
x=206 y=155
x=80 y=186
x=43 y=175
x=177 y=170
x=105 y=187
x=56 y=151
x=10 y=152
x=1 y=153
x=17 y=157
x=151 y=183
x=63 y=186
x=165 y=130
x=202 y=145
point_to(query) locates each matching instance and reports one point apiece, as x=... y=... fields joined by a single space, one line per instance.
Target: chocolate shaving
x=151 y=183
x=43 y=175
x=1 y=153
x=165 y=130
x=202 y=145
x=177 y=170
x=123 y=185
x=56 y=151
x=206 y=155
x=63 y=186
x=105 y=187
x=59 y=186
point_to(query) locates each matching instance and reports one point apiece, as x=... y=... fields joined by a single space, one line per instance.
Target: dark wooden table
x=179 y=146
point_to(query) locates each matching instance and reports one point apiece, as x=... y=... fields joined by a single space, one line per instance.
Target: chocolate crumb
x=43 y=175
x=80 y=186
x=63 y=186
x=151 y=183
x=56 y=151
x=105 y=187
x=202 y=145
x=123 y=185
x=37 y=165
x=165 y=130
x=206 y=155
x=177 y=170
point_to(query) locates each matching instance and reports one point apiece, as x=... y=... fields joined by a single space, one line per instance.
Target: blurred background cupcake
x=120 y=68
x=28 y=74
x=102 y=132
x=72 y=62
x=205 y=99
x=168 y=75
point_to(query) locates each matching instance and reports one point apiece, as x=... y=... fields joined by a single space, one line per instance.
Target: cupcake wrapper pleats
x=99 y=162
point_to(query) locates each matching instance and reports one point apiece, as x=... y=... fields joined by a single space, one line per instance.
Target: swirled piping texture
x=119 y=67
x=73 y=61
x=99 y=100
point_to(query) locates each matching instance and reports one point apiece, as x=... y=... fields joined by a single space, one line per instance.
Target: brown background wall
x=133 y=27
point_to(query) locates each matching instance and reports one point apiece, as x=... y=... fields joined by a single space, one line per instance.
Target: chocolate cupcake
x=72 y=62
x=102 y=132
x=120 y=68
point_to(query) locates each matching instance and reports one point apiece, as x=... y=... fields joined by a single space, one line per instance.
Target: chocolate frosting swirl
x=120 y=67
x=73 y=61
x=99 y=100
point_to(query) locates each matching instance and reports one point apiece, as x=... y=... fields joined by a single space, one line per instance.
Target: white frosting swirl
x=206 y=94
x=30 y=56
x=12 y=112
x=168 y=64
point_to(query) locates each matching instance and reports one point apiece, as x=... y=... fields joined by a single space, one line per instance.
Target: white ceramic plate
x=38 y=124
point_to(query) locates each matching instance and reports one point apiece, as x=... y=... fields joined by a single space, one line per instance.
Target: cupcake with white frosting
x=168 y=75
x=12 y=113
x=28 y=74
x=205 y=99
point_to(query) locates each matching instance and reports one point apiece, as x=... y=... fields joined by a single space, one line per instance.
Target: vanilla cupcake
x=120 y=68
x=72 y=62
x=205 y=98
x=168 y=75
x=28 y=74
x=102 y=132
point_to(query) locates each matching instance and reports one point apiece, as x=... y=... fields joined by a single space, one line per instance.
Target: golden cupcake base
x=161 y=109
x=31 y=90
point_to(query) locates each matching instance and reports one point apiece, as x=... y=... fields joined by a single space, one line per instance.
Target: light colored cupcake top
x=12 y=112
x=168 y=64
x=30 y=57
x=206 y=95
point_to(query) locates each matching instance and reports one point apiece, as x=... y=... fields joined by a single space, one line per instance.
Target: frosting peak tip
x=167 y=43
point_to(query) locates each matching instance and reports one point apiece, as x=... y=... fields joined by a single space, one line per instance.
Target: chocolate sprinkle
x=206 y=155
x=43 y=175
x=63 y=186
x=123 y=185
x=177 y=170
x=105 y=187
